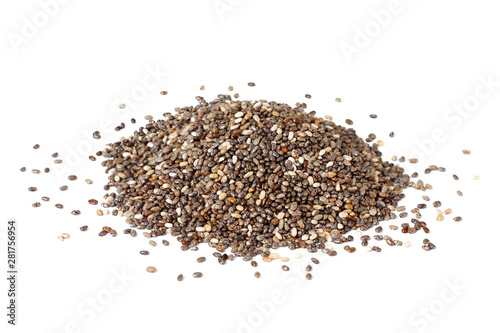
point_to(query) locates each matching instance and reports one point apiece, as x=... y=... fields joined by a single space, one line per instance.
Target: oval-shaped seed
x=151 y=269
x=197 y=275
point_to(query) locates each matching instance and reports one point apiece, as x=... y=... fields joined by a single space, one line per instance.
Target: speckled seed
x=253 y=263
x=257 y=275
x=45 y=198
x=373 y=116
x=36 y=146
x=93 y=202
x=201 y=259
x=150 y=269
x=144 y=252
x=72 y=177
x=197 y=275
x=57 y=161
x=75 y=212
x=251 y=84
x=457 y=219
x=165 y=242
x=36 y=204
x=413 y=160
x=349 y=122
x=455 y=177
x=92 y=158
x=315 y=261
x=107 y=229
x=102 y=233
x=308 y=96
x=32 y=189
x=88 y=181
x=308 y=268
x=113 y=233
x=59 y=206
x=230 y=88
x=63 y=188
x=448 y=211
x=35 y=171
x=84 y=228
x=309 y=276
x=163 y=92
x=180 y=277
x=285 y=268
x=152 y=243
x=99 y=212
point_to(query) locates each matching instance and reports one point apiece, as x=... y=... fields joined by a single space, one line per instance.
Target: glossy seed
x=257 y=275
x=163 y=92
x=180 y=277
x=285 y=268
x=308 y=276
x=63 y=188
x=72 y=177
x=315 y=261
x=88 y=181
x=93 y=201
x=251 y=84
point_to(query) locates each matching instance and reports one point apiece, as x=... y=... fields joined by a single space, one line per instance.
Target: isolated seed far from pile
x=163 y=92
x=338 y=100
x=251 y=84
x=180 y=277
x=255 y=161
x=151 y=269
x=84 y=228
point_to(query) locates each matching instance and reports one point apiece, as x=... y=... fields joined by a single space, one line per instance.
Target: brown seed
x=308 y=268
x=32 y=189
x=36 y=204
x=230 y=88
x=152 y=243
x=99 y=212
x=460 y=193
x=75 y=212
x=257 y=275
x=72 y=177
x=63 y=188
x=373 y=116
x=338 y=100
x=93 y=201
x=436 y=204
x=107 y=229
x=144 y=252
x=466 y=152
x=391 y=134
x=457 y=219
x=315 y=261
x=102 y=233
x=151 y=269
x=96 y=135
x=349 y=122
x=378 y=229
x=92 y=158
x=201 y=259
x=55 y=155
x=163 y=92
x=23 y=169
x=308 y=96
x=84 y=228
x=285 y=268
x=165 y=242
x=45 y=198
x=180 y=277
x=251 y=84
x=253 y=263
x=59 y=206
x=36 y=146
x=413 y=160
x=455 y=177
x=309 y=276
x=352 y=249
x=35 y=171
x=88 y=181
x=132 y=120
x=197 y=275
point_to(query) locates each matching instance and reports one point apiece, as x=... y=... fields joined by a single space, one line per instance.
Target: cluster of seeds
x=251 y=176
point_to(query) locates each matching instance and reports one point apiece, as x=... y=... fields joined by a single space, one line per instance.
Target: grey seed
x=59 y=206
x=36 y=204
x=197 y=275
x=152 y=243
x=84 y=228
x=144 y=252
x=63 y=188
x=151 y=269
x=180 y=277
x=56 y=154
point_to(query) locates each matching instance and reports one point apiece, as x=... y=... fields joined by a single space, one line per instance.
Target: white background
x=67 y=76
